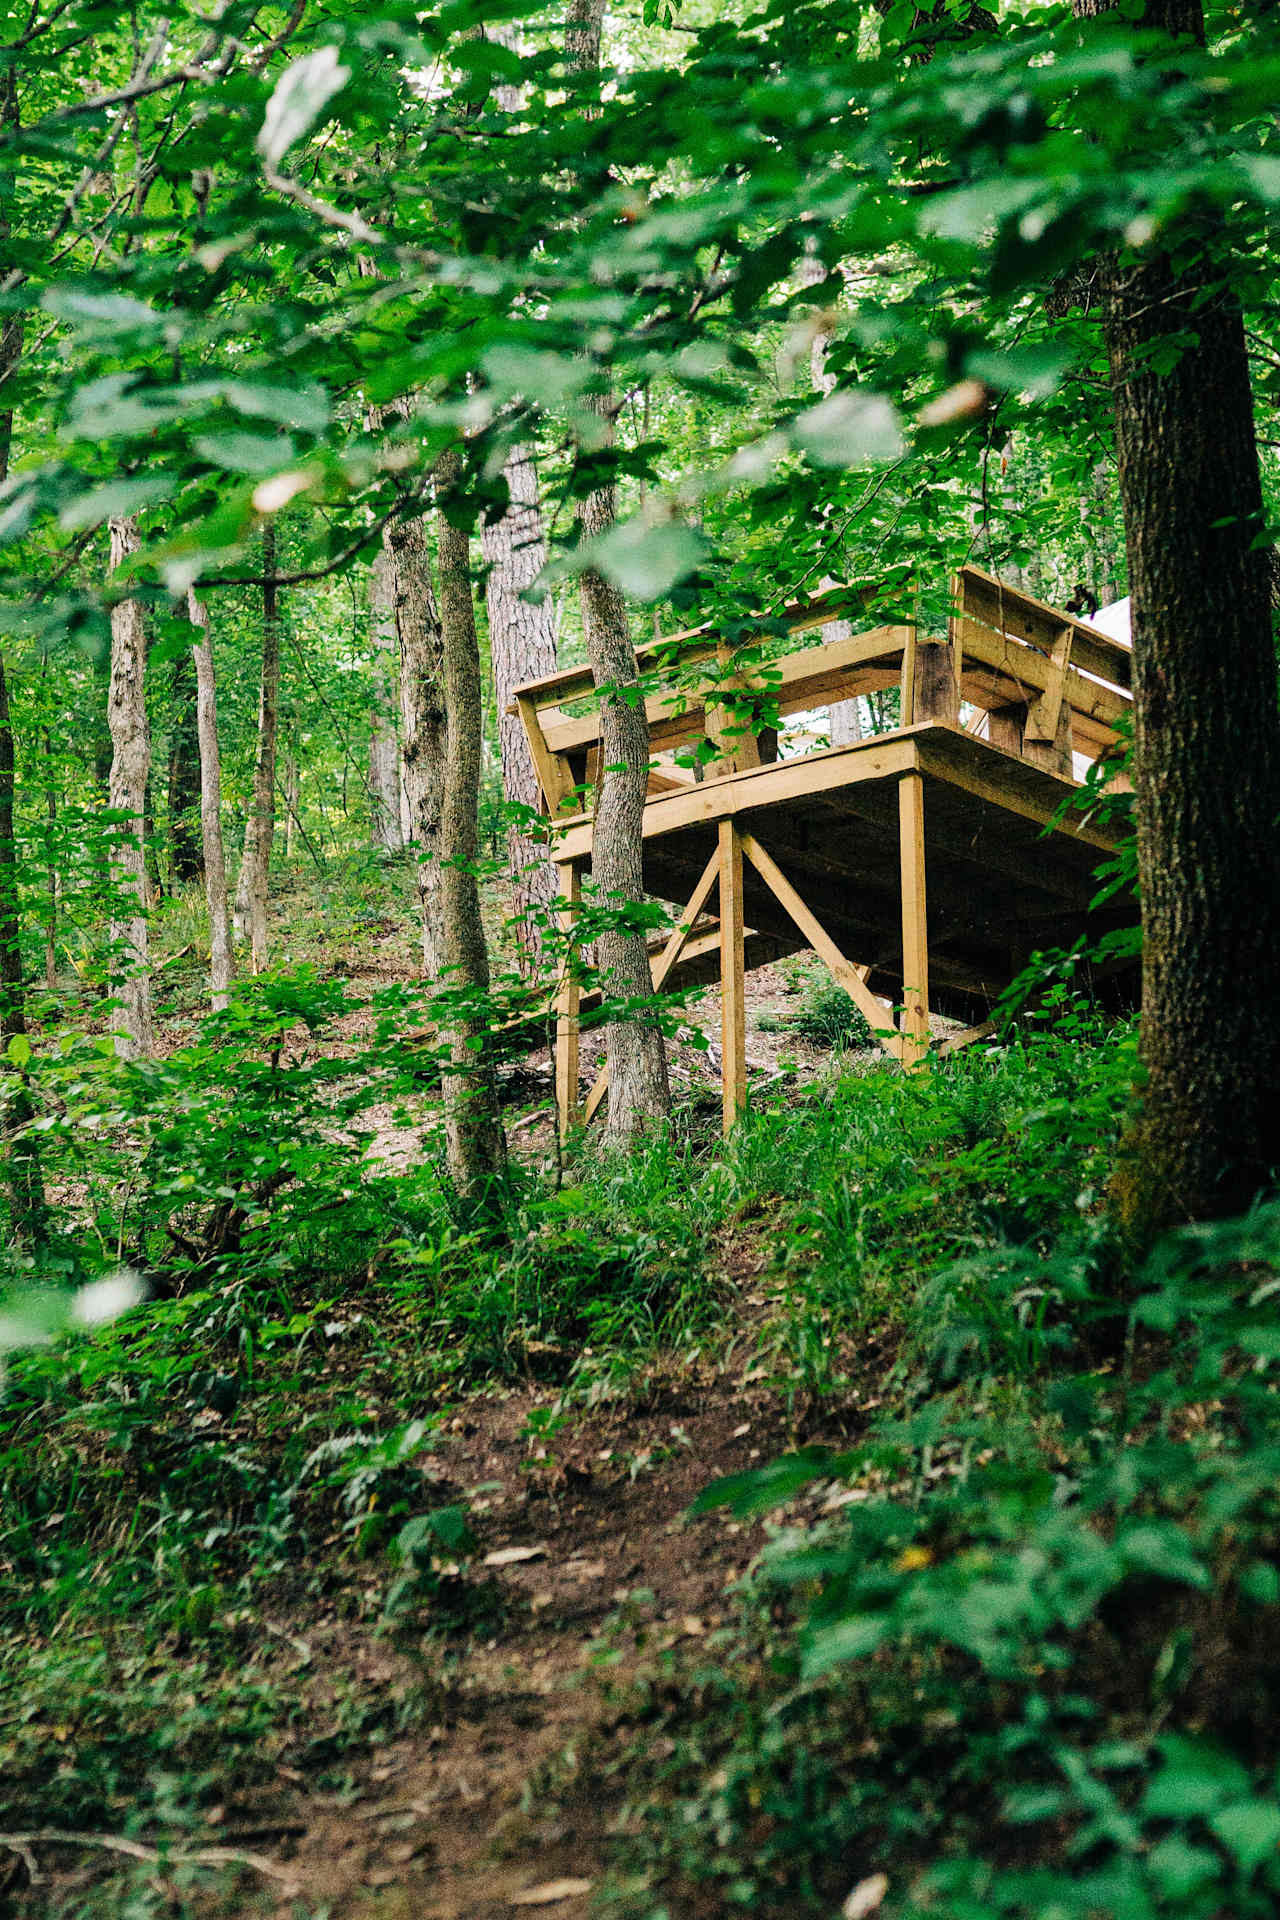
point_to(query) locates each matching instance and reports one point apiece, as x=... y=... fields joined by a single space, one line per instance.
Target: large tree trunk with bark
x=473 y=1131
x=127 y=795
x=423 y=744
x=186 y=860
x=1206 y=725
x=221 y=956
x=639 y=1093
x=522 y=646
x=255 y=868
x=384 y=737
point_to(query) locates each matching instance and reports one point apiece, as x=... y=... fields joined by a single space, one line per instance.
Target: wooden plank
x=1035 y=621
x=907 y=681
x=851 y=978
x=733 y=1006
x=953 y=1042
x=788 y=780
x=554 y=774
x=951 y=754
x=915 y=922
x=865 y=663
x=998 y=671
x=701 y=643
x=569 y=888
x=1045 y=709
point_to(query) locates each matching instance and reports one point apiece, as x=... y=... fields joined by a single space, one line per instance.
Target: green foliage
x=826 y=1016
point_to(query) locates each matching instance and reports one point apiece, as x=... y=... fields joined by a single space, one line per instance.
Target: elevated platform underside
x=998 y=887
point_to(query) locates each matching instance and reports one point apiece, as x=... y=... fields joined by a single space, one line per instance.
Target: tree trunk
x=127 y=794
x=384 y=743
x=1206 y=727
x=844 y=720
x=522 y=646
x=639 y=1093
x=185 y=860
x=221 y=956
x=27 y=1216
x=255 y=870
x=422 y=721
x=473 y=1131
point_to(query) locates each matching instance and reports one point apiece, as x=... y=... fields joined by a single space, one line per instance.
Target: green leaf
x=118 y=499
x=761 y=1488
x=1179 y=1869
x=846 y=1640
x=1249 y=1830
x=256 y=453
x=19 y=1051
x=850 y=430
x=102 y=313
x=1163 y=1550
x=645 y=561
x=1195 y=1777
x=301 y=94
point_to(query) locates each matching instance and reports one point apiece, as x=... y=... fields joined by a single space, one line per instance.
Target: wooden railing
x=1042 y=683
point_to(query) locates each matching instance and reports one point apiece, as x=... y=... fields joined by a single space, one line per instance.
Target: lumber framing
x=921 y=865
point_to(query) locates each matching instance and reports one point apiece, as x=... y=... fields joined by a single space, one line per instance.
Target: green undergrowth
x=1012 y=1653
x=256 y=1442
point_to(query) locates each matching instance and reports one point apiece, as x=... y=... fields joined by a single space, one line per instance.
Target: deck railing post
x=733 y=1011
x=569 y=994
x=915 y=921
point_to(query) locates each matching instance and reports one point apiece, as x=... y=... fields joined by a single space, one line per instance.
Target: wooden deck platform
x=924 y=865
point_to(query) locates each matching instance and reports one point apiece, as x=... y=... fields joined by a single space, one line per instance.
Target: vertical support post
x=915 y=923
x=907 y=683
x=569 y=888
x=733 y=1011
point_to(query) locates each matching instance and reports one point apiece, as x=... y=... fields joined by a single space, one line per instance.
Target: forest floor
x=369 y=1573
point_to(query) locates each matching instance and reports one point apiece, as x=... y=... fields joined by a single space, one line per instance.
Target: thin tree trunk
x=639 y=1093
x=50 y=866
x=422 y=721
x=522 y=646
x=221 y=954
x=844 y=719
x=127 y=794
x=473 y=1130
x=255 y=870
x=1206 y=724
x=384 y=743
x=185 y=861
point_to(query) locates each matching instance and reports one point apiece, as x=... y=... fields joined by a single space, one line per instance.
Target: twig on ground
x=21 y=1843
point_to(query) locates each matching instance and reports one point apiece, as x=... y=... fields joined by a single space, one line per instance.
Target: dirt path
x=505 y=1791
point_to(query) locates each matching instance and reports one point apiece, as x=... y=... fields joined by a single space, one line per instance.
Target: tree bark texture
x=384 y=739
x=127 y=797
x=186 y=862
x=221 y=953
x=255 y=870
x=1206 y=725
x=423 y=744
x=844 y=719
x=474 y=1139
x=639 y=1092
x=522 y=646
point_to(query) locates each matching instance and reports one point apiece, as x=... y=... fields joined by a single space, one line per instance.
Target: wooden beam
x=554 y=774
x=715 y=800
x=851 y=978
x=915 y=923
x=966 y=1037
x=569 y=888
x=1039 y=624
x=733 y=1009
x=865 y=662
